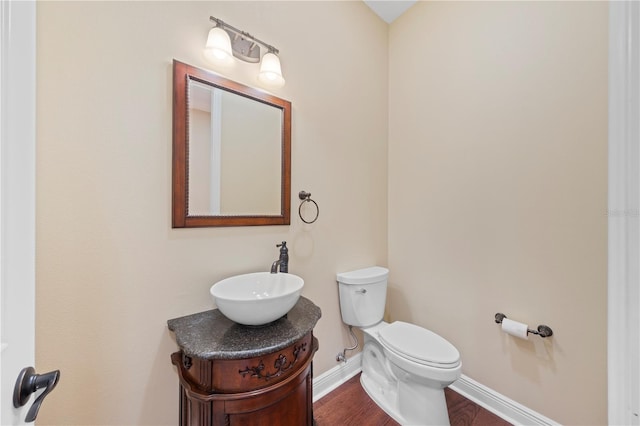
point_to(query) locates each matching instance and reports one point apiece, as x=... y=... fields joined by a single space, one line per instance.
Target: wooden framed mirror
x=231 y=152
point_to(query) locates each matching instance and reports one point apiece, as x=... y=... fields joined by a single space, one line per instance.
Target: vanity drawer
x=241 y=375
x=255 y=373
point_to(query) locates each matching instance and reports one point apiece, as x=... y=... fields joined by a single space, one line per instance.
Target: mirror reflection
x=234 y=154
x=231 y=152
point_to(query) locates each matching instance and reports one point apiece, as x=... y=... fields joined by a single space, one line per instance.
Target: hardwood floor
x=463 y=412
x=349 y=405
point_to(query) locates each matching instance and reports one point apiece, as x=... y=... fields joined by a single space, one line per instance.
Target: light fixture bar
x=246 y=35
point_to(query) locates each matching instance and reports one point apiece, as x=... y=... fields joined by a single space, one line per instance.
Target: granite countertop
x=211 y=335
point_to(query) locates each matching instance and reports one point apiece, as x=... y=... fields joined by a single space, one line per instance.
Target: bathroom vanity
x=231 y=374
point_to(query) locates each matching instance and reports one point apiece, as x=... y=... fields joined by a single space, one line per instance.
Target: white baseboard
x=331 y=379
x=499 y=404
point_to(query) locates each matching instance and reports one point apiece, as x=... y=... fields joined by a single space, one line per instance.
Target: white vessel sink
x=258 y=298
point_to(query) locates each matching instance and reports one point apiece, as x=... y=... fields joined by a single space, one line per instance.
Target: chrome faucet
x=283 y=260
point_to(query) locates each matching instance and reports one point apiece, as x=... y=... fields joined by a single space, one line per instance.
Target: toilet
x=405 y=368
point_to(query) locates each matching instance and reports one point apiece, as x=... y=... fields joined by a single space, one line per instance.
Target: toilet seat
x=419 y=345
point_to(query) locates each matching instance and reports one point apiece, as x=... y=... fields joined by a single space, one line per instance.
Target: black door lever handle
x=29 y=382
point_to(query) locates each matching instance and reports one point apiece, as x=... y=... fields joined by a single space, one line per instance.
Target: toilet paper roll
x=515 y=328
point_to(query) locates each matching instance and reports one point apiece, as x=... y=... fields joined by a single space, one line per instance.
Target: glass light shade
x=270 y=71
x=218 y=47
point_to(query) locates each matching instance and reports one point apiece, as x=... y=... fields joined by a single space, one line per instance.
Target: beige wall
x=110 y=270
x=497 y=192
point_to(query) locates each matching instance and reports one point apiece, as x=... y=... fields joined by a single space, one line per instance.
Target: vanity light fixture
x=224 y=41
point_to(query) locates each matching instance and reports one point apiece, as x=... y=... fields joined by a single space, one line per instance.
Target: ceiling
x=389 y=10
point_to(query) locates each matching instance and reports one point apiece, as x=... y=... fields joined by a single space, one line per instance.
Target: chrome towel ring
x=306 y=198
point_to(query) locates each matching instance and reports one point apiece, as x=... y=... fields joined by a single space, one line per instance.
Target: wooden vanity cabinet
x=271 y=389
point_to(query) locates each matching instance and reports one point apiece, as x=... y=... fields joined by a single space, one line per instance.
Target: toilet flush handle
x=361 y=291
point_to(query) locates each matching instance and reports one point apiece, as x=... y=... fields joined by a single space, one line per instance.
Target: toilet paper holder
x=542 y=331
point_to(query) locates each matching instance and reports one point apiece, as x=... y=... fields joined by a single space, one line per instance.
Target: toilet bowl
x=405 y=368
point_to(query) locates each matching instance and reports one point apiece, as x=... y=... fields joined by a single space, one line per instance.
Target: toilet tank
x=363 y=294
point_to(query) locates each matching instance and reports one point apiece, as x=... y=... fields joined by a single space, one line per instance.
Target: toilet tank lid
x=364 y=276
